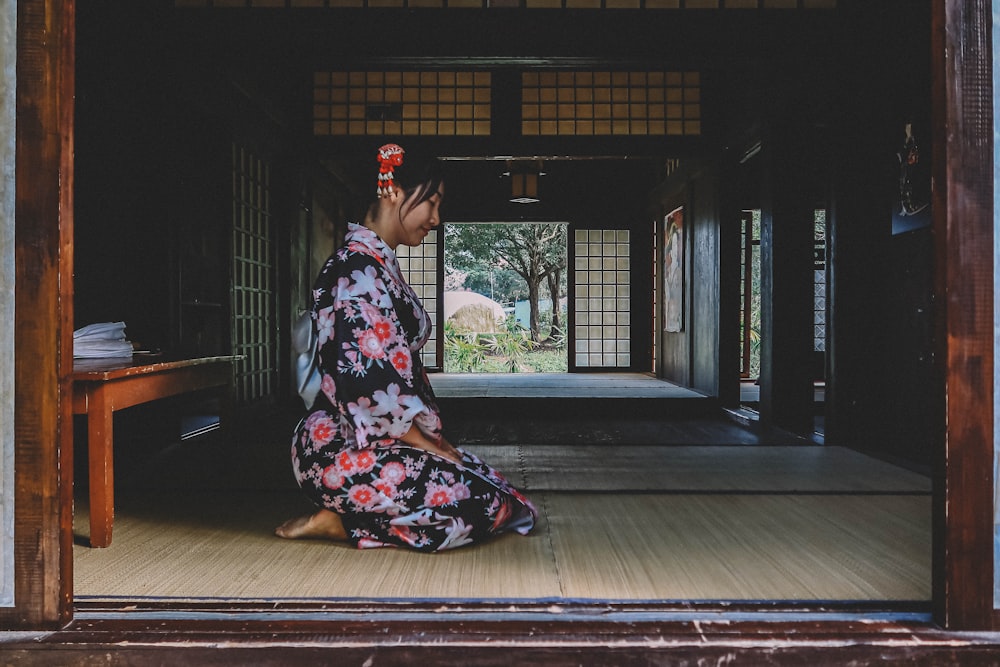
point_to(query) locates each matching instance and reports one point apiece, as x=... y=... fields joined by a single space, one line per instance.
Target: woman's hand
x=416 y=438
x=449 y=451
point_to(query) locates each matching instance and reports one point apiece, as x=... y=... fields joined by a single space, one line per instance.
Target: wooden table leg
x=100 y=441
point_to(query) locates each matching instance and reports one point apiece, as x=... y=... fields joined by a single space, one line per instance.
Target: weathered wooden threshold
x=474 y=634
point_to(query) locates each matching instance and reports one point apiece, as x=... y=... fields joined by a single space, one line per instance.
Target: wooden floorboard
x=551 y=636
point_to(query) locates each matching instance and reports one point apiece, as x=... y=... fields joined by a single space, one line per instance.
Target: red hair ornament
x=390 y=156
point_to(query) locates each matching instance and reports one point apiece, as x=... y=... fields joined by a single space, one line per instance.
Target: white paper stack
x=104 y=339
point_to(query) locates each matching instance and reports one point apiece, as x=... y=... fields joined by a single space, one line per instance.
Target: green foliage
x=754 y=336
x=511 y=345
x=475 y=249
x=502 y=285
x=509 y=261
x=545 y=322
x=557 y=339
x=509 y=351
x=463 y=352
x=753 y=327
x=546 y=361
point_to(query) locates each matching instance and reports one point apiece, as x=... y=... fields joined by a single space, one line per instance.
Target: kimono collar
x=362 y=239
x=363 y=235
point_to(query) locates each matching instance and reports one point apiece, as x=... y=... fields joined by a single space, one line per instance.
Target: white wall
x=8 y=62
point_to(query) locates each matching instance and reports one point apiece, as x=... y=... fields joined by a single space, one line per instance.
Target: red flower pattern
x=362 y=495
x=345 y=458
x=332 y=479
x=322 y=430
x=438 y=495
x=371 y=345
x=401 y=360
x=393 y=472
x=383 y=329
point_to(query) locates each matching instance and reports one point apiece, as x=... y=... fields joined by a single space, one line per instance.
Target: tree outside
x=509 y=263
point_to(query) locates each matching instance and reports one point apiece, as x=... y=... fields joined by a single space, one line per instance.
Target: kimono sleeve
x=375 y=388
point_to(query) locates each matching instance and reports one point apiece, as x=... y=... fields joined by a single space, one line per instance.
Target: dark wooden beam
x=44 y=316
x=788 y=202
x=476 y=636
x=964 y=229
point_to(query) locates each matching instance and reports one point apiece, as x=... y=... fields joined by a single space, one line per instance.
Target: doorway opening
x=750 y=312
x=505 y=306
x=635 y=490
x=750 y=295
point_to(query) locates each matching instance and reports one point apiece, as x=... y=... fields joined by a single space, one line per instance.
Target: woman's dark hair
x=419 y=180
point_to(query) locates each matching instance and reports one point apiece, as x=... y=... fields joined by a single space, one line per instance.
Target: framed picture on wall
x=911 y=208
x=673 y=270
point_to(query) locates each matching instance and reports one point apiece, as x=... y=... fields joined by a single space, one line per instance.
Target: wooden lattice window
x=819 y=281
x=425 y=103
x=253 y=295
x=420 y=266
x=602 y=298
x=611 y=103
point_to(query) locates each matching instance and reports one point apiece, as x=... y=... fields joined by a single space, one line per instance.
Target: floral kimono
x=346 y=452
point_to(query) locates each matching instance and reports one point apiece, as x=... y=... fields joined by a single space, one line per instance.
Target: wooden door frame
x=43 y=320
x=963 y=590
x=962 y=99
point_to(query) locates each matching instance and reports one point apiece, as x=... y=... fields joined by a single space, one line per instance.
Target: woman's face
x=416 y=221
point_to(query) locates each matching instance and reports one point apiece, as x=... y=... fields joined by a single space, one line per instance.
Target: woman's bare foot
x=323 y=524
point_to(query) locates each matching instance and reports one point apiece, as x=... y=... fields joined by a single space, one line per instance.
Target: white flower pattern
x=346 y=453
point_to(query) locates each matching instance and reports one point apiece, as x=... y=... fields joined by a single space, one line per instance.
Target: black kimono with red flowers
x=346 y=452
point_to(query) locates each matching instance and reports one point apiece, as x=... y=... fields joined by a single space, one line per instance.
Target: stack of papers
x=104 y=339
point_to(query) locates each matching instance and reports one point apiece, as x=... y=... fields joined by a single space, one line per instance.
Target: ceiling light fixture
x=524 y=181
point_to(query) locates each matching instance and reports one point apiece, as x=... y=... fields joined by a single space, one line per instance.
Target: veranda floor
x=712 y=512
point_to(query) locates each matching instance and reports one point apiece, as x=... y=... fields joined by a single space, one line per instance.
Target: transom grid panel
x=611 y=103
x=602 y=298
x=253 y=298
x=655 y=243
x=819 y=281
x=420 y=268
x=426 y=103
x=506 y=4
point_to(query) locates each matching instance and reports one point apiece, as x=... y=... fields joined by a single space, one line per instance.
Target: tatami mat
x=728 y=469
x=555 y=385
x=625 y=523
x=595 y=547
x=733 y=547
x=203 y=544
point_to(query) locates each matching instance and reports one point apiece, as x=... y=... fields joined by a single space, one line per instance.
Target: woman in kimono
x=369 y=453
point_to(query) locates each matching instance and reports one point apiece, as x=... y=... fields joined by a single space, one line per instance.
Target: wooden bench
x=102 y=386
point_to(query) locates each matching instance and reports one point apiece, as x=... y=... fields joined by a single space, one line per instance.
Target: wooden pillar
x=859 y=230
x=729 y=231
x=964 y=228
x=787 y=205
x=43 y=233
